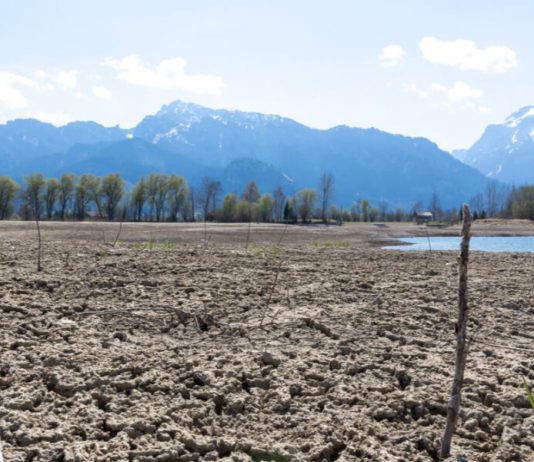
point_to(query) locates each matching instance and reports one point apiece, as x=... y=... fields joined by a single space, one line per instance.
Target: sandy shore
x=171 y=348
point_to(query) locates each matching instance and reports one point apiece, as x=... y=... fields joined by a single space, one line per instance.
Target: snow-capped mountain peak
x=517 y=117
x=505 y=151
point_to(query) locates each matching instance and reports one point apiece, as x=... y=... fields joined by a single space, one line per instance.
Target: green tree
x=266 y=208
x=87 y=190
x=111 y=192
x=523 y=203
x=157 y=189
x=229 y=208
x=306 y=199
x=94 y=190
x=8 y=191
x=365 y=209
x=290 y=210
x=177 y=196
x=326 y=188
x=243 y=211
x=139 y=197
x=51 y=193
x=250 y=195
x=66 y=192
x=35 y=185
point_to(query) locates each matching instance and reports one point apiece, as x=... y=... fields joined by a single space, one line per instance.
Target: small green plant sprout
x=528 y=390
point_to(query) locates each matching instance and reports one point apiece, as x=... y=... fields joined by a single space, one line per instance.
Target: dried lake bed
x=175 y=345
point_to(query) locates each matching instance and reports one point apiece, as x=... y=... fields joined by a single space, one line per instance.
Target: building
x=423 y=217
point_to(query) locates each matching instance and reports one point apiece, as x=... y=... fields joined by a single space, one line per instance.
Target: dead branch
x=461 y=338
x=39 y=244
x=248 y=233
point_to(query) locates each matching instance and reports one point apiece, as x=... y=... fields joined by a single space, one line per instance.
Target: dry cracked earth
x=322 y=348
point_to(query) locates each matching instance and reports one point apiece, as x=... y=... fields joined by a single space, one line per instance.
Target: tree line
x=161 y=197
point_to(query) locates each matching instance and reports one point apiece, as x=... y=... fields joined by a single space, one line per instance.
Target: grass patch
x=264 y=250
x=339 y=245
x=153 y=244
x=267 y=456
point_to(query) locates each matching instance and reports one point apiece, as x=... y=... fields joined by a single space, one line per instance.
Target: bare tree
x=383 y=206
x=492 y=198
x=66 y=192
x=251 y=196
x=251 y=193
x=51 y=192
x=279 y=203
x=192 y=195
x=477 y=205
x=326 y=190
x=34 y=187
x=435 y=206
x=209 y=191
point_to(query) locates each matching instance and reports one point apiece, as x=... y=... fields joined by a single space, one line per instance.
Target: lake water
x=484 y=244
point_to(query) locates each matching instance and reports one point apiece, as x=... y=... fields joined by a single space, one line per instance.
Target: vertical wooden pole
x=461 y=337
x=249 y=225
x=39 y=244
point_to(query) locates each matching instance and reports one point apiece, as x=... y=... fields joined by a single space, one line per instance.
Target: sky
x=439 y=69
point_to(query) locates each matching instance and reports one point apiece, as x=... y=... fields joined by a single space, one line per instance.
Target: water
x=484 y=244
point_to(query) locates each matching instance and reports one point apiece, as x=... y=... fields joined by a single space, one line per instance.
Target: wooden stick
x=461 y=338
x=249 y=225
x=117 y=237
x=40 y=244
x=275 y=281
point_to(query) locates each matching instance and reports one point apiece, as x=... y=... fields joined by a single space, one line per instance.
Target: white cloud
x=168 y=74
x=67 y=79
x=391 y=55
x=466 y=55
x=54 y=118
x=439 y=88
x=101 y=92
x=459 y=92
x=413 y=88
x=10 y=93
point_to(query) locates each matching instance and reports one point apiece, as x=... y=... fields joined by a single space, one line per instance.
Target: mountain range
x=236 y=147
x=505 y=152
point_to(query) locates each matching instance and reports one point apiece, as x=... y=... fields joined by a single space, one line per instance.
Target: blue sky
x=439 y=69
